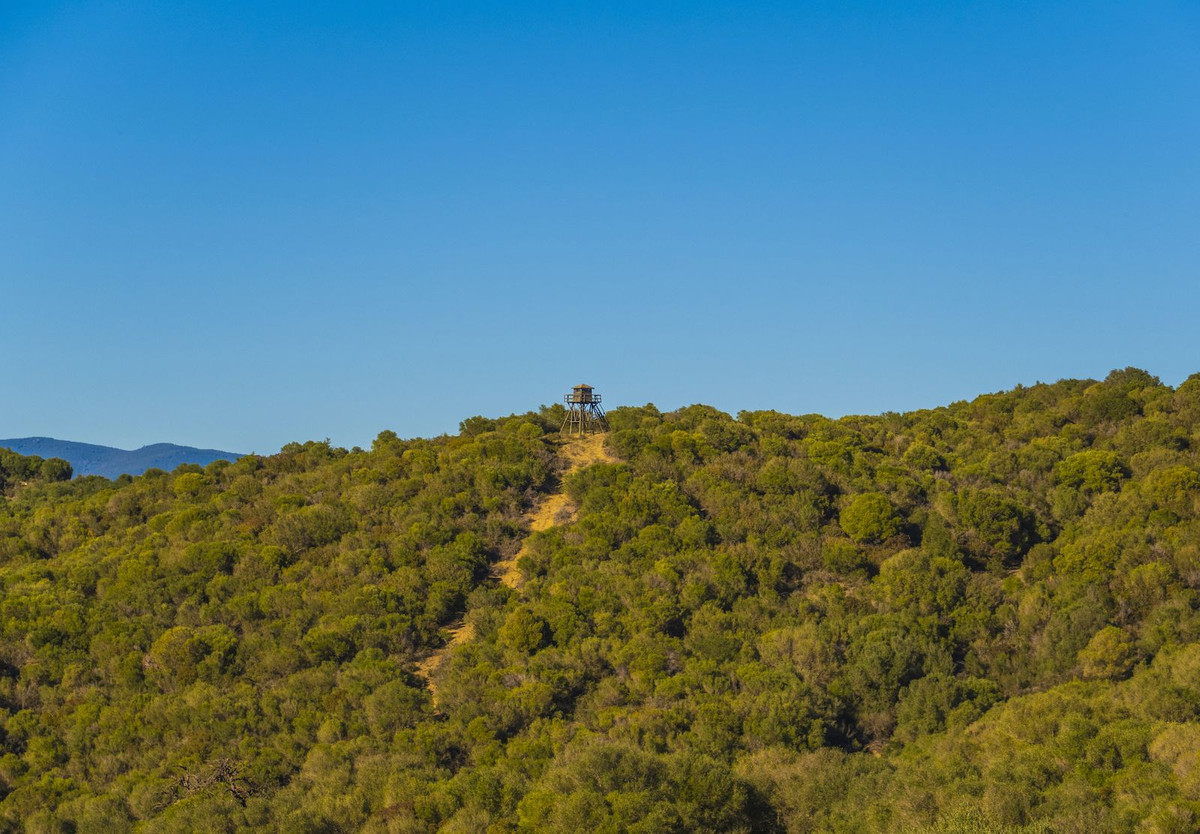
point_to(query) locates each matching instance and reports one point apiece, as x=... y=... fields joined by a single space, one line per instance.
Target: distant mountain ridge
x=92 y=459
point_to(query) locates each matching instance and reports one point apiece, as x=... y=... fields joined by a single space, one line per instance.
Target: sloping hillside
x=983 y=617
x=571 y=454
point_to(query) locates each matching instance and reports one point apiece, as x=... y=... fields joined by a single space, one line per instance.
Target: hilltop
x=110 y=462
x=982 y=617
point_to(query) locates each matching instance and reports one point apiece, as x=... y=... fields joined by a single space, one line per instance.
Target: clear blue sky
x=240 y=224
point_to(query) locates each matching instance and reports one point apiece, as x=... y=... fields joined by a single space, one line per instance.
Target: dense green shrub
x=870 y=518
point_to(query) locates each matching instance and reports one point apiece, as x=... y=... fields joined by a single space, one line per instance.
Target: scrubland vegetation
x=983 y=617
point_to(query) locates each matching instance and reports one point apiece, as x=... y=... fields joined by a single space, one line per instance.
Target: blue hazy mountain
x=90 y=459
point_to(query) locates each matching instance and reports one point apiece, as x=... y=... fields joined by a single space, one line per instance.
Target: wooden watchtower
x=584 y=414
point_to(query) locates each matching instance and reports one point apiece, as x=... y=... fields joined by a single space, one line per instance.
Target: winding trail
x=551 y=511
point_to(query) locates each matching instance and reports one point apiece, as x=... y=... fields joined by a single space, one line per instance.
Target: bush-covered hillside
x=983 y=617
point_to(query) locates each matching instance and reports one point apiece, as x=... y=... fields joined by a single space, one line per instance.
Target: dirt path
x=551 y=511
x=457 y=634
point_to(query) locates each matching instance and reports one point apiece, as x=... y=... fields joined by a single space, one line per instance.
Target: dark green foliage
x=18 y=469
x=984 y=617
x=1001 y=524
x=55 y=469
